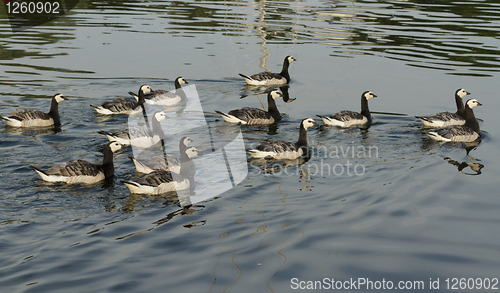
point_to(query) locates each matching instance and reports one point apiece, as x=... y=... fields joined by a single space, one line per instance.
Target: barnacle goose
x=166 y=162
x=139 y=136
x=460 y=133
x=166 y=98
x=80 y=171
x=123 y=106
x=284 y=149
x=348 y=118
x=254 y=116
x=35 y=118
x=444 y=119
x=161 y=181
x=268 y=78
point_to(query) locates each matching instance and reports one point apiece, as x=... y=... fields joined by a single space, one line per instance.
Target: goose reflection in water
x=251 y=90
x=474 y=166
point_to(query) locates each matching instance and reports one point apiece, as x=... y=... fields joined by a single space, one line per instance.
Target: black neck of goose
x=284 y=71
x=470 y=119
x=364 y=108
x=302 y=142
x=182 y=147
x=272 y=109
x=460 y=106
x=107 y=162
x=54 y=111
x=156 y=127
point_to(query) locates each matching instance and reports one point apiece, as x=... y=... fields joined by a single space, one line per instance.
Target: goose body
x=139 y=136
x=468 y=132
x=80 y=171
x=123 y=106
x=161 y=181
x=163 y=162
x=444 y=119
x=284 y=149
x=348 y=118
x=36 y=118
x=166 y=98
x=255 y=116
x=269 y=78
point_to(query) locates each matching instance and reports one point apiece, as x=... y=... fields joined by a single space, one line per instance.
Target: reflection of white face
x=473 y=103
x=145 y=88
x=308 y=122
x=115 y=146
x=159 y=116
x=60 y=98
x=462 y=93
x=275 y=94
x=192 y=152
x=369 y=95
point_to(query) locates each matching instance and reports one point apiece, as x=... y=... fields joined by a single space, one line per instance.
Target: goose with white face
x=36 y=118
x=255 y=116
x=347 y=118
x=444 y=119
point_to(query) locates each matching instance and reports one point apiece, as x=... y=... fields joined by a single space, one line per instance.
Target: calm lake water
x=414 y=211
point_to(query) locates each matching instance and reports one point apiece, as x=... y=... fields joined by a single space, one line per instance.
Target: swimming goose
x=163 y=162
x=80 y=171
x=139 y=136
x=348 y=118
x=460 y=133
x=255 y=116
x=161 y=181
x=268 y=78
x=284 y=149
x=35 y=118
x=123 y=106
x=444 y=119
x=166 y=98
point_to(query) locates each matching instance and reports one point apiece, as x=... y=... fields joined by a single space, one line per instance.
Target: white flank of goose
x=35 y=118
x=139 y=136
x=444 y=119
x=166 y=98
x=255 y=116
x=269 y=78
x=161 y=181
x=79 y=171
x=161 y=162
x=123 y=106
x=284 y=149
x=348 y=118
x=460 y=133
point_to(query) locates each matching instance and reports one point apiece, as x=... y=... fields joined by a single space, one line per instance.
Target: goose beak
x=479 y=104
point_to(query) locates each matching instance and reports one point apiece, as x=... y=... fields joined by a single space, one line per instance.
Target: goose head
x=369 y=95
x=308 y=122
x=275 y=93
x=461 y=93
x=473 y=103
x=59 y=98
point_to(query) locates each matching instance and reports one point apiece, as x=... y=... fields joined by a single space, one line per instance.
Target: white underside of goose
x=232 y=119
x=71 y=179
x=165 y=100
x=443 y=120
x=265 y=81
x=28 y=123
x=160 y=189
x=275 y=155
x=346 y=123
x=466 y=135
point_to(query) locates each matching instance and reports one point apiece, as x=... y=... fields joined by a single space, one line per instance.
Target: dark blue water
x=400 y=208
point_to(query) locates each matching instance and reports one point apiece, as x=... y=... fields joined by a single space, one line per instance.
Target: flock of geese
x=169 y=173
